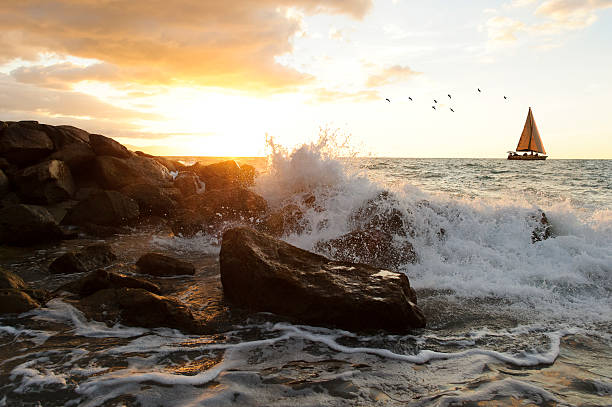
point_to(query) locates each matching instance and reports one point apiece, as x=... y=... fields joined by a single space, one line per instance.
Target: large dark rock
x=139 y=307
x=380 y=213
x=542 y=229
x=65 y=135
x=157 y=264
x=11 y=280
x=151 y=199
x=224 y=174
x=188 y=222
x=23 y=144
x=115 y=173
x=4 y=184
x=25 y=225
x=86 y=259
x=14 y=301
x=77 y=156
x=289 y=219
x=102 y=279
x=265 y=274
x=230 y=204
x=102 y=145
x=45 y=183
x=107 y=208
x=188 y=183
x=373 y=247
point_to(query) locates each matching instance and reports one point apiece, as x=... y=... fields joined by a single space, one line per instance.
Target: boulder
x=22 y=144
x=151 y=199
x=62 y=136
x=157 y=264
x=139 y=307
x=266 y=274
x=102 y=145
x=230 y=204
x=188 y=223
x=45 y=183
x=14 y=301
x=107 y=208
x=92 y=229
x=77 y=156
x=102 y=279
x=224 y=174
x=380 y=213
x=115 y=173
x=11 y=280
x=373 y=247
x=188 y=183
x=86 y=259
x=542 y=229
x=4 y=184
x=24 y=225
x=289 y=219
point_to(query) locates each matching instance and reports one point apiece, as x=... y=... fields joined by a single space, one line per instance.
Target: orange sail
x=530 y=139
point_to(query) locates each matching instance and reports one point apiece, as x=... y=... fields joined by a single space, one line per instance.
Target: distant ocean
x=511 y=321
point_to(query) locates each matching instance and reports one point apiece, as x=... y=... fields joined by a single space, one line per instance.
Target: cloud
x=396 y=73
x=204 y=42
x=328 y=95
x=503 y=29
x=572 y=14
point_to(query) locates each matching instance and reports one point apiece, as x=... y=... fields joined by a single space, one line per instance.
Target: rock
x=224 y=174
x=22 y=145
x=115 y=173
x=188 y=183
x=14 y=301
x=62 y=136
x=373 y=247
x=380 y=213
x=265 y=274
x=103 y=231
x=542 y=229
x=188 y=222
x=290 y=219
x=231 y=204
x=102 y=145
x=102 y=279
x=45 y=183
x=11 y=280
x=138 y=307
x=87 y=259
x=77 y=156
x=157 y=264
x=151 y=199
x=107 y=208
x=24 y=225
x=4 y=184
x=9 y=199
x=4 y=164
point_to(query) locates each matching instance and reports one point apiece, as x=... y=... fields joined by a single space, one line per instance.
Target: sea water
x=510 y=321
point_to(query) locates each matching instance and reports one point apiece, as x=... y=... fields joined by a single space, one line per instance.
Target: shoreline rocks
x=87 y=259
x=157 y=264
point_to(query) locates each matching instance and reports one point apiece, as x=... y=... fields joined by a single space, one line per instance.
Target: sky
x=217 y=78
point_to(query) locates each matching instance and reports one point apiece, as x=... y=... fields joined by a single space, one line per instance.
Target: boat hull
x=527 y=157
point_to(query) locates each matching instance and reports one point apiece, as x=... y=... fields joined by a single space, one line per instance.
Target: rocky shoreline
x=59 y=183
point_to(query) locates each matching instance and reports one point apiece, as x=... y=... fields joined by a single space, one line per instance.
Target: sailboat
x=530 y=141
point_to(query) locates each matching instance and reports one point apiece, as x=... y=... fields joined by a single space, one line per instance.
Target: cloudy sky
x=199 y=77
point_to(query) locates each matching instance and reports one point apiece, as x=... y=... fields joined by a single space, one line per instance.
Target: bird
x=388 y=100
x=433 y=107
x=410 y=98
x=449 y=96
x=505 y=98
x=435 y=101
x=452 y=110
x=479 y=90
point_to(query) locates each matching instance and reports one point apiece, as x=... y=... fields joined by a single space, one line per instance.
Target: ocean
x=512 y=320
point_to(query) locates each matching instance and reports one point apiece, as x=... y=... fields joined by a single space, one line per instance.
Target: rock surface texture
x=87 y=259
x=157 y=264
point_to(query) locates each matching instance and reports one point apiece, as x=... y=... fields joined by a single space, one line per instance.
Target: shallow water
x=511 y=322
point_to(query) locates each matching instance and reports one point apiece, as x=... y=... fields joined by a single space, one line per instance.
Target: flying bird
x=505 y=98
x=452 y=110
x=388 y=100
x=433 y=107
x=435 y=101
x=479 y=90
x=410 y=98
x=449 y=96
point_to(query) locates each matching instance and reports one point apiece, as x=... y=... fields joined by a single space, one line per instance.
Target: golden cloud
x=203 y=42
x=396 y=73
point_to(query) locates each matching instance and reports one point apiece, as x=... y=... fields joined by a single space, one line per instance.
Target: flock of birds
x=436 y=102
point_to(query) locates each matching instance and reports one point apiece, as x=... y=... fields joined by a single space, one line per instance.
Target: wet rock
x=103 y=231
x=102 y=279
x=230 y=204
x=380 y=213
x=107 y=208
x=115 y=173
x=102 y=145
x=24 y=225
x=77 y=156
x=542 y=230
x=373 y=247
x=45 y=183
x=11 y=280
x=188 y=183
x=289 y=219
x=151 y=199
x=86 y=259
x=139 y=307
x=265 y=274
x=157 y=264
x=22 y=144
x=14 y=301
x=224 y=174
x=4 y=184
x=188 y=223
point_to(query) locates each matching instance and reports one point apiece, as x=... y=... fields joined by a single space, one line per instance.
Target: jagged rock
x=115 y=173
x=107 y=208
x=14 y=301
x=4 y=184
x=224 y=174
x=45 y=183
x=188 y=222
x=87 y=259
x=77 y=156
x=289 y=219
x=25 y=225
x=22 y=144
x=230 y=204
x=542 y=230
x=157 y=264
x=102 y=279
x=373 y=247
x=102 y=145
x=188 y=183
x=138 y=307
x=65 y=135
x=381 y=214
x=265 y=274
x=151 y=199
x=11 y=280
